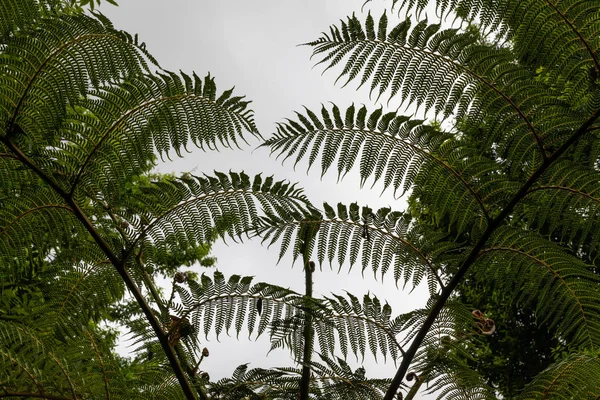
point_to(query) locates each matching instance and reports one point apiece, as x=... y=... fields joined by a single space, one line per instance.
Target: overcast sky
x=253 y=45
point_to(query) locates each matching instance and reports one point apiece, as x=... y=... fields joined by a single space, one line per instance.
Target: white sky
x=252 y=45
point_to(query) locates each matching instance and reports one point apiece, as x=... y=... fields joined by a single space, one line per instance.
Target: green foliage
x=503 y=208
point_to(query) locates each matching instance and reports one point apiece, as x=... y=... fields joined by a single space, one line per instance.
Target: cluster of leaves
x=503 y=209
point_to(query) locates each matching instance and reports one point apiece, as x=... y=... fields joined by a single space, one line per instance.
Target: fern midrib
x=472 y=73
x=553 y=272
x=71 y=386
x=567 y=189
x=472 y=256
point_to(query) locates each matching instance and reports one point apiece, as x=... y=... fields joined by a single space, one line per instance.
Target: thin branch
x=474 y=253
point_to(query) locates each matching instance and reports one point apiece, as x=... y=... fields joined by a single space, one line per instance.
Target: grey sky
x=252 y=45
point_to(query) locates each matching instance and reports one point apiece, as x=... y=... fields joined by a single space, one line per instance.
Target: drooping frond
x=14 y=14
x=359 y=325
x=192 y=209
x=401 y=60
x=380 y=239
x=563 y=32
x=337 y=380
x=344 y=324
x=455 y=380
x=391 y=148
x=219 y=305
x=574 y=193
x=577 y=376
x=43 y=73
x=115 y=133
x=561 y=286
x=34 y=365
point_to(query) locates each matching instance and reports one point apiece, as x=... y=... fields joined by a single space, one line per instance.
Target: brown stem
x=473 y=255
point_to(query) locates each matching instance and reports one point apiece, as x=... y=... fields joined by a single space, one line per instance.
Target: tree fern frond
x=561 y=286
x=350 y=317
x=457 y=381
x=43 y=73
x=219 y=305
x=575 y=197
x=192 y=209
x=144 y=114
x=391 y=148
x=32 y=362
x=381 y=239
x=15 y=14
x=577 y=376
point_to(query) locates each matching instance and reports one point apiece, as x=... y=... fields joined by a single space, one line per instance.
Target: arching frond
x=43 y=73
x=561 y=286
x=193 y=209
x=577 y=376
x=380 y=239
x=14 y=14
x=34 y=365
x=219 y=305
x=359 y=325
x=574 y=194
x=331 y=380
x=115 y=133
x=391 y=148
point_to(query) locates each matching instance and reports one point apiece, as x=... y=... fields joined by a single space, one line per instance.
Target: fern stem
x=116 y=262
x=474 y=254
x=308 y=333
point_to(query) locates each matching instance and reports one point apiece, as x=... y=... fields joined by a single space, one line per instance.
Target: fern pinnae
x=408 y=144
x=576 y=376
x=564 y=278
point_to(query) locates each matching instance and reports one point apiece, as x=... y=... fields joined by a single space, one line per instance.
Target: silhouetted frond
x=391 y=148
x=380 y=239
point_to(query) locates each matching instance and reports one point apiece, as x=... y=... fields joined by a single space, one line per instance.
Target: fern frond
x=359 y=325
x=536 y=270
x=216 y=304
x=577 y=376
x=390 y=148
x=574 y=194
x=115 y=133
x=192 y=209
x=380 y=239
x=17 y=14
x=34 y=362
x=43 y=73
